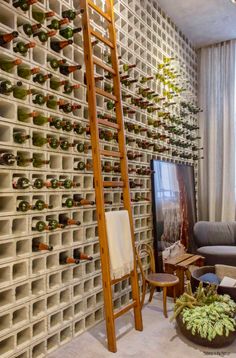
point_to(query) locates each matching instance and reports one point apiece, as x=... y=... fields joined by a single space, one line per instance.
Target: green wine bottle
x=40 y=16
x=20 y=137
x=78 y=128
x=67 y=126
x=68 y=107
x=52 y=184
x=71 y=14
x=6 y=87
x=41 y=78
x=23 y=47
x=65 y=144
x=37 y=162
x=38 y=183
x=82 y=147
x=68 y=184
x=69 y=203
x=39 y=226
x=56 y=24
x=21 y=93
x=40 y=120
x=23 y=115
x=54 y=224
x=44 y=36
x=22 y=161
x=52 y=102
x=53 y=142
x=21 y=183
x=110 y=105
x=54 y=63
x=40 y=205
x=8 y=65
x=38 y=98
x=56 y=84
x=24 y=206
x=38 y=140
x=56 y=122
x=24 y=5
x=68 y=88
x=28 y=29
x=26 y=72
x=68 y=32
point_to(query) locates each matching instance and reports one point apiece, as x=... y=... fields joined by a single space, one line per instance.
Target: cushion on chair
x=225 y=270
x=215 y=233
x=210 y=278
x=224 y=255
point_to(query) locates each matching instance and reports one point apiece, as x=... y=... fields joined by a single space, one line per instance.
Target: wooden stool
x=162 y=280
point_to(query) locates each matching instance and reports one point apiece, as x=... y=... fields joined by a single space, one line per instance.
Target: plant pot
x=217 y=342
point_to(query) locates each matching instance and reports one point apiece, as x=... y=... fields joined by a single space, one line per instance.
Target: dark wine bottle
x=81 y=255
x=64 y=259
x=66 y=69
x=71 y=14
x=66 y=221
x=6 y=38
x=40 y=246
x=59 y=45
x=68 y=32
x=24 y=5
x=7 y=158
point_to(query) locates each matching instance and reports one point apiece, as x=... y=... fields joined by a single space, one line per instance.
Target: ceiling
x=204 y=22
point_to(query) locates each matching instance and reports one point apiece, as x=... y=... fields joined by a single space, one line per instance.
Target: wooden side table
x=179 y=265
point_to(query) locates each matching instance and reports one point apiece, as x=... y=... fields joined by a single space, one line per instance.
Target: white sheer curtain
x=216 y=186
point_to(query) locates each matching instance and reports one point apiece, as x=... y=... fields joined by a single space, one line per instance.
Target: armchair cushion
x=215 y=233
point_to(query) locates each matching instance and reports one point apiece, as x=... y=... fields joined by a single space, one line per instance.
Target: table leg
x=164 y=301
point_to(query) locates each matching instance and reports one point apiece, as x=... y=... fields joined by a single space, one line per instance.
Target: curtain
x=216 y=180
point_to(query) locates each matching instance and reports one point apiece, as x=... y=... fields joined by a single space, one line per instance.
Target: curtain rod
x=220 y=43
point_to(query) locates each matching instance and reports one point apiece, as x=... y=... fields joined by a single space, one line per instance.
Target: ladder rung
x=125 y=309
x=109 y=153
x=102 y=38
x=96 y=8
x=113 y=184
x=98 y=62
x=105 y=94
x=113 y=282
x=108 y=123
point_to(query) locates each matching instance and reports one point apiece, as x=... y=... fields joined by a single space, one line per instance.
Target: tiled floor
x=159 y=339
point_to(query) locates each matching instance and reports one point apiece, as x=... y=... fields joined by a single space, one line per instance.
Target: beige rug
x=159 y=339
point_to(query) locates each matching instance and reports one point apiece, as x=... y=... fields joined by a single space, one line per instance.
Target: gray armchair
x=216 y=241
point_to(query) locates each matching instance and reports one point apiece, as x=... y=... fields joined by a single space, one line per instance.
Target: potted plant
x=205 y=317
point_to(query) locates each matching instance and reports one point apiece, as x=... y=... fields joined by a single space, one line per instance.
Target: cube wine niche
x=51 y=287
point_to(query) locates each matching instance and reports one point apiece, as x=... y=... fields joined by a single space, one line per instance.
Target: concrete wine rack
x=43 y=304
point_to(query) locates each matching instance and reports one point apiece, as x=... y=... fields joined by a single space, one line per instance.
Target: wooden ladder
x=90 y=61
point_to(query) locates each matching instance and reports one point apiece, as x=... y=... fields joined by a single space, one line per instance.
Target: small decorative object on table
x=205 y=317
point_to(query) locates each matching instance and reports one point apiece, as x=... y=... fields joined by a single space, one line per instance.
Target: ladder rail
x=98 y=182
x=91 y=61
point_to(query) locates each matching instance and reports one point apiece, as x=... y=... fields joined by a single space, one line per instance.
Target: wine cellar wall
x=47 y=203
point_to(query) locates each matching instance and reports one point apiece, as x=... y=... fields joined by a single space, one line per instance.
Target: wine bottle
x=69 y=184
x=39 y=98
x=6 y=38
x=23 y=115
x=56 y=24
x=71 y=14
x=82 y=147
x=39 y=226
x=40 y=205
x=37 y=162
x=68 y=32
x=8 y=65
x=133 y=184
x=67 y=126
x=23 y=161
x=21 y=93
x=81 y=255
x=133 y=156
x=56 y=123
x=54 y=224
x=69 y=203
x=66 y=69
x=6 y=87
x=24 y=206
x=44 y=36
x=28 y=29
x=40 y=246
x=41 y=78
x=7 y=158
x=82 y=165
x=20 y=137
x=146 y=79
x=26 y=72
x=52 y=184
x=23 y=47
x=81 y=201
x=78 y=128
x=24 y=5
x=65 y=144
x=21 y=183
x=54 y=63
x=38 y=183
x=40 y=120
x=68 y=88
x=52 y=102
x=126 y=67
x=64 y=220
x=110 y=105
x=68 y=107
x=56 y=84
x=64 y=259
x=39 y=141
x=40 y=16
x=59 y=45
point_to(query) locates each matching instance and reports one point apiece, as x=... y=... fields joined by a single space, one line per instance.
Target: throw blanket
x=119 y=243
